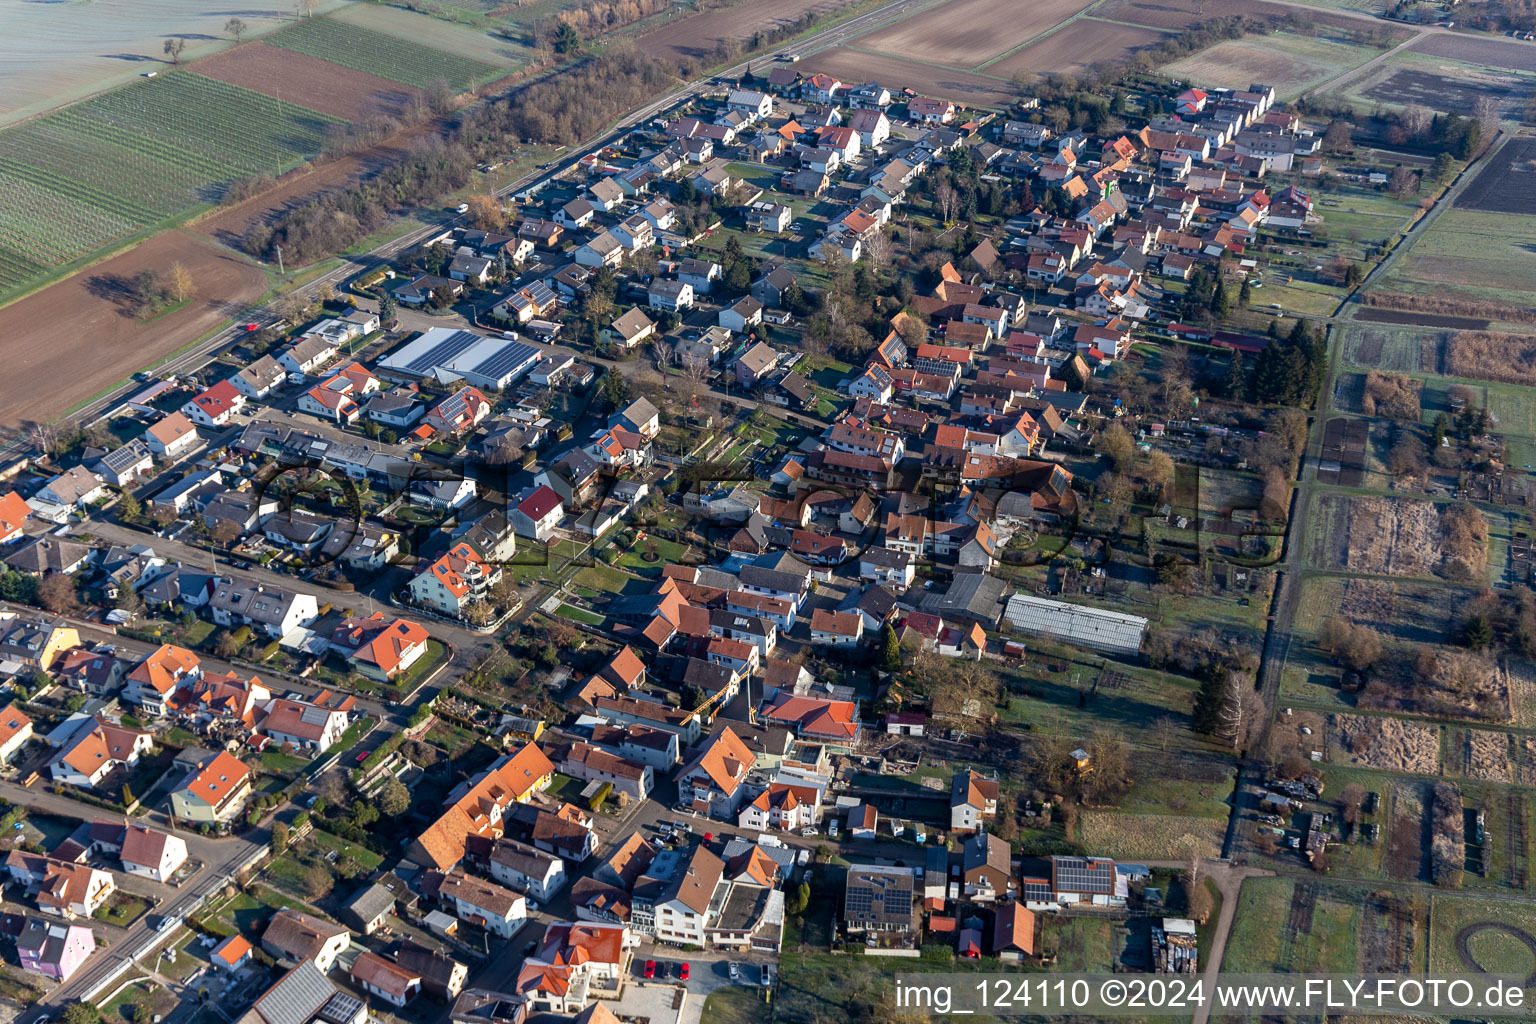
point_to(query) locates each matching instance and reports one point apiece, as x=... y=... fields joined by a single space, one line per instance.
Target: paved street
x=220 y=859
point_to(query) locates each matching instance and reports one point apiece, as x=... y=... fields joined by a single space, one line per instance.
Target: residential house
x=782 y=805
x=296 y=936
x=153 y=680
x=669 y=295
x=485 y=904
x=526 y=869
x=124 y=466
x=35 y=643
x=986 y=865
x=271 y=610
x=15 y=731
x=593 y=764
x=457 y=579
x=629 y=329
x=767 y=216
x=878 y=898
x=538 y=515
x=301 y=725
x=379 y=647
x=872 y=126
x=712 y=782
x=64 y=889
x=442 y=977
x=54 y=949
x=381 y=977
x=214 y=791
x=972 y=801
x=478 y=808
x=151 y=853
x=930 y=111
x=73 y=488
x=97 y=751
x=840 y=629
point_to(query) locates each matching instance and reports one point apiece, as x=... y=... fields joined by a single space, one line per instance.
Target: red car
x=650 y=968
x=252 y=327
x=682 y=971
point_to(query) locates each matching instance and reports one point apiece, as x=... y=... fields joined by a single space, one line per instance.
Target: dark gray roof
x=296 y=997
x=972 y=595
x=369 y=903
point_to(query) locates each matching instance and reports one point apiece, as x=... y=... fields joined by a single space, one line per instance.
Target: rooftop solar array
x=491 y=361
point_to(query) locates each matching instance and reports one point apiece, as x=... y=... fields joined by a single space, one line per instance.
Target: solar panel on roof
x=444 y=352
x=505 y=360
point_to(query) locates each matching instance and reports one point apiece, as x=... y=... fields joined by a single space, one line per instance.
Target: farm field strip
x=972 y=33
x=379 y=53
x=76 y=180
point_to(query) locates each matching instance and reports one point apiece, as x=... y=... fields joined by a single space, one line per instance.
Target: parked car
x=682 y=971
x=808 y=832
x=650 y=968
x=764 y=977
x=735 y=971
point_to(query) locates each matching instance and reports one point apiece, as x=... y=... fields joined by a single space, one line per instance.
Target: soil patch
x=1080 y=45
x=1478 y=50
x=1177 y=15
x=323 y=86
x=1451 y=93
x=697 y=35
x=897 y=73
x=966 y=33
x=1405 y=840
x=1388 y=744
x=1408 y=316
x=1507 y=183
x=71 y=340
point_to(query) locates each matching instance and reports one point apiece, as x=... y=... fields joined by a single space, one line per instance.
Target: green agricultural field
x=1497 y=937
x=384 y=55
x=92 y=174
x=1471 y=254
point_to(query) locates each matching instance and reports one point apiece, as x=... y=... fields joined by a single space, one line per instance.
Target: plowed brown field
x=315 y=83
x=73 y=339
x=967 y=33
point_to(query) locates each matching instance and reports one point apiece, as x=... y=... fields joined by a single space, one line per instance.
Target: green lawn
x=279 y=763
x=735 y=1004
x=580 y=615
x=327 y=841
x=121 y=909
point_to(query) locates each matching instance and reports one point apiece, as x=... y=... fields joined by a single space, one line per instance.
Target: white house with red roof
x=537 y=515
x=930 y=111
x=303 y=726
x=215 y=406
x=781 y=805
x=14 y=513
x=458 y=412
x=15 y=730
x=337 y=397
x=458 y=579
x=619 y=448
x=380 y=647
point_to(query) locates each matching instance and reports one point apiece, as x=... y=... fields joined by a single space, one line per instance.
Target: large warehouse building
x=1094 y=628
x=449 y=354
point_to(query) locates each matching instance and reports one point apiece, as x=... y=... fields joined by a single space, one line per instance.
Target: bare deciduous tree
x=1241 y=712
x=236 y=28
x=180 y=282
x=173 y=48
x=945 y=198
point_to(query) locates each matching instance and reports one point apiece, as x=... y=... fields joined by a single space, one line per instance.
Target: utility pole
x=280 y=270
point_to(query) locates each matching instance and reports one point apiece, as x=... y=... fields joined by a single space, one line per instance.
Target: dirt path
x=1355 y=72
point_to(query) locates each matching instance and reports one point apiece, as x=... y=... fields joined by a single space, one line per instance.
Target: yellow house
x=35 y=642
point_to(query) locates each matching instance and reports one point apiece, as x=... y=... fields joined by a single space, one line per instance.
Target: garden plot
x=1151 y=836
x=1386 y=744
x=1406 y=537
x=1483 y=755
